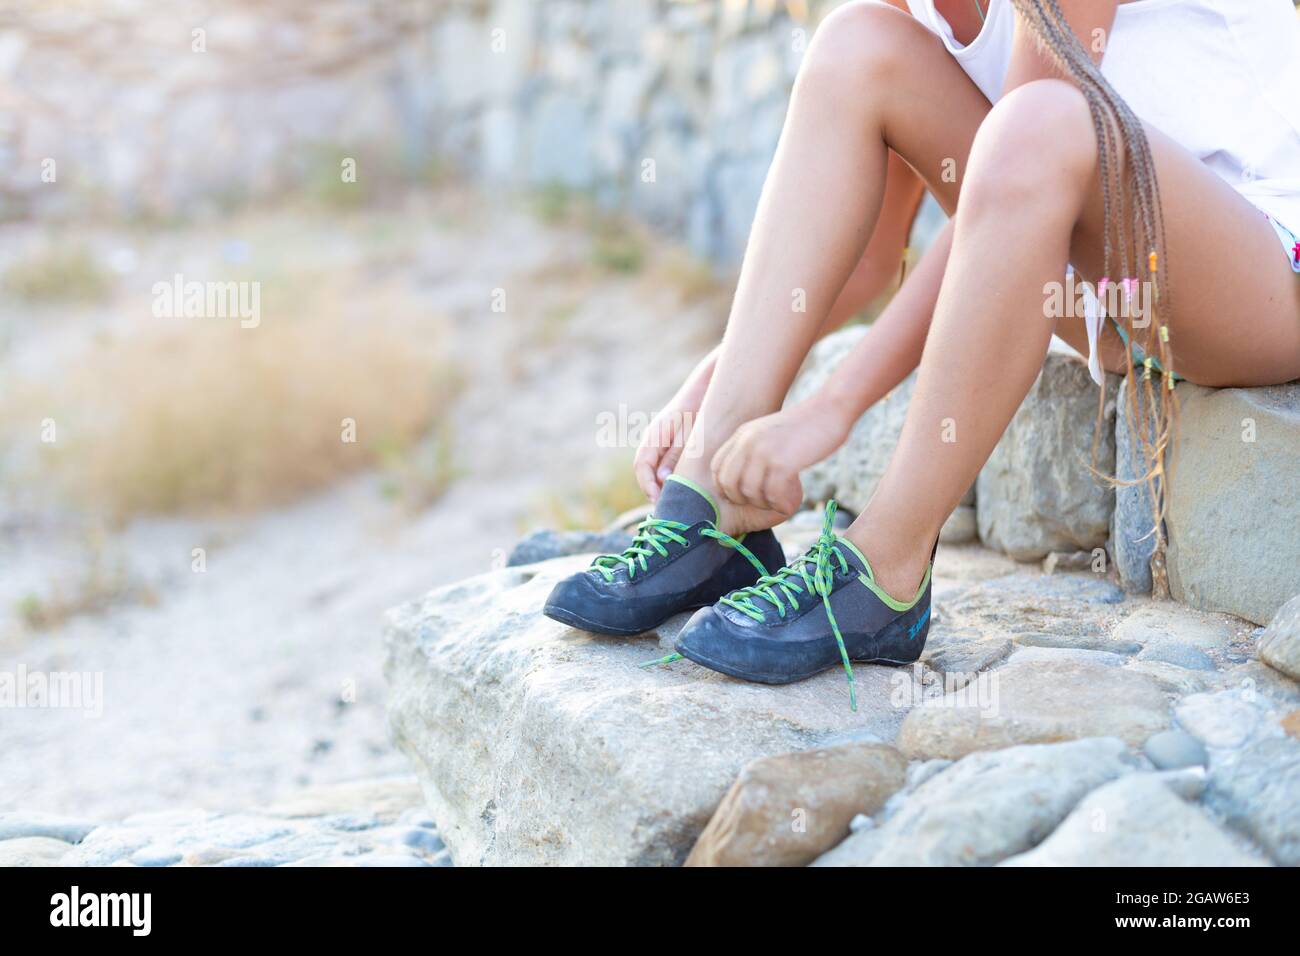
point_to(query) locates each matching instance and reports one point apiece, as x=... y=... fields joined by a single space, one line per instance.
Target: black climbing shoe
x=678 y=561
x=822 y=609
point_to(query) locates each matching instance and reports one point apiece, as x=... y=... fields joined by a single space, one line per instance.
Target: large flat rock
x=1257 y=790
x=1233 y=503
x=539 y=744
x=1038 y=699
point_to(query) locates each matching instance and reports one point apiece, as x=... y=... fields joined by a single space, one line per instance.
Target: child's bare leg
x=874 y=79
x=881 y=265
x=1030 y=203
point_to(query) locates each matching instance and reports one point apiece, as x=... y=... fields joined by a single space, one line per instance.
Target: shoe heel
x=903 y=640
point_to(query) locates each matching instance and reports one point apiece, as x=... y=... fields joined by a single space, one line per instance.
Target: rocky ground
x=1052 y=719
x=378 y=822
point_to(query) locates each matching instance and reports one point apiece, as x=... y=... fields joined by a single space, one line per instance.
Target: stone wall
x=668 y=108
x=136 y=108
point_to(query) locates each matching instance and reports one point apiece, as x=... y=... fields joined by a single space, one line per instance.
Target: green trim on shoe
x=889 y=602
x=854 y=548
x=812 y=576
x=653 y=532
x=717 y=515
x=869 y=579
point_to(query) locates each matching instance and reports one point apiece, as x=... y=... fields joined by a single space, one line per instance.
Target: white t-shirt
x=1219 y=77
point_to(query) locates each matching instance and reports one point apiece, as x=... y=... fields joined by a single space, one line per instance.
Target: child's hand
x=661 y=447
x=760 y=464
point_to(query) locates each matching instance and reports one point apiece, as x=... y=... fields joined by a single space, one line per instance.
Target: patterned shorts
x=1289 y=242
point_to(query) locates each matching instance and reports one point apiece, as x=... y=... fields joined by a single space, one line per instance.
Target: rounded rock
x=156 y=856
x=1174 y=749
x=32 y=851
x=420 y=838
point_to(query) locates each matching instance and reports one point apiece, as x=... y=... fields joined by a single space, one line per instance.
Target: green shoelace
x=654 y=531
x=794 y=580
x=652 y=537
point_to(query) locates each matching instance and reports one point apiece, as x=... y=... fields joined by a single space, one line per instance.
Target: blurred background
x=308 y=307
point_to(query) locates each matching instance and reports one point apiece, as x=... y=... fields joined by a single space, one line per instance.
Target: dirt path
x=262 y=674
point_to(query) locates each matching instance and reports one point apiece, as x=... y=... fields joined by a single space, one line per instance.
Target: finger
x=668 y=464
x=718 y=461
x=784 y=492
x=725 y=472
x=645 y=479
x=764 y=481
x=655 y=443
x=653 y=439
x=793 y=499
x=776 y=489
x=773 y=482
x=643 y=466
x=751 y=484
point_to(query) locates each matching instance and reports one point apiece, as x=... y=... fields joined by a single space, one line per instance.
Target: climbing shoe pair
x=760 y=619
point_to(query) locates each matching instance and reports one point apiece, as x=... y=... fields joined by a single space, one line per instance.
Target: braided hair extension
x=1133 y=240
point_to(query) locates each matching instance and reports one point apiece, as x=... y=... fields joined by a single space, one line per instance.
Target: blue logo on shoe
x=920 y=623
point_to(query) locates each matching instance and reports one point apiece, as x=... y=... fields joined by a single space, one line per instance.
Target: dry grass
x=56 y=274
x=555 y=204
x=619 y=245
x=103 y=584
x=589 y=505
x=694 y=280
x=200 y=414
x=417 y=477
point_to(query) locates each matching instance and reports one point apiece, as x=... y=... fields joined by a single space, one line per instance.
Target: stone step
x=540 y=744
x=537 y=744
